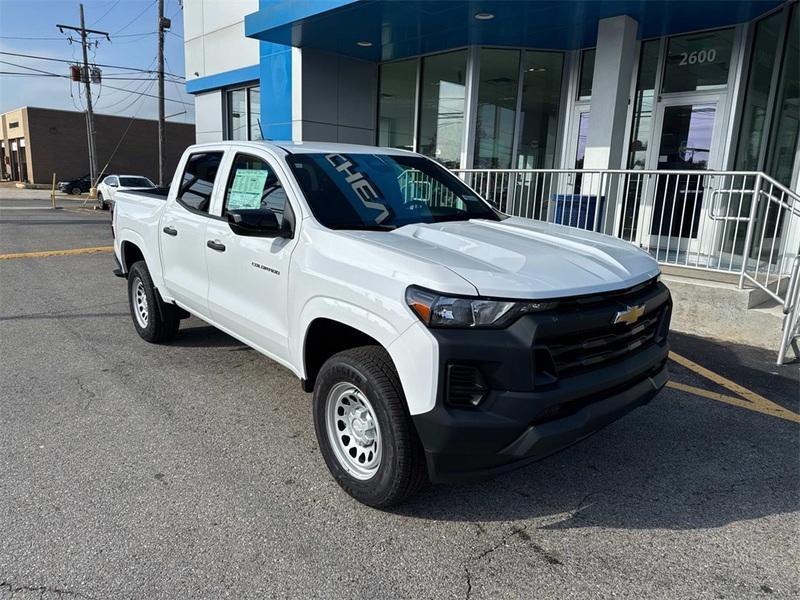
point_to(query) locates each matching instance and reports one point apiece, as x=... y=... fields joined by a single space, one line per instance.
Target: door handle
x=170 y=231
x=215 y=245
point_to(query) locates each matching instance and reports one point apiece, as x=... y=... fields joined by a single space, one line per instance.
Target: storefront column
x=615 y=58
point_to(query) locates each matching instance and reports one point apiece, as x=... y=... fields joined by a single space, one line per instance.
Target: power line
x=48 y=74
x=61 y=60
x=136 y=34
x=51 y=74
x=13 y=37
x=132 y=21
x=154 y=96
x=105 y=13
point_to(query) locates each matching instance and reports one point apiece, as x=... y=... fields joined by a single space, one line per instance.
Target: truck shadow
x=679 y=463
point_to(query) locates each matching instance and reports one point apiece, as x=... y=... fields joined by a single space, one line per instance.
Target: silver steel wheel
x=140 y=308
x=353 y=430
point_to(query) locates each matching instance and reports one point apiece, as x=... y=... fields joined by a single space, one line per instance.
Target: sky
x=29 y=27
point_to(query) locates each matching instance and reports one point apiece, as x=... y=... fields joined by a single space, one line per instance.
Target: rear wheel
x=154 y=320
x=363 y=428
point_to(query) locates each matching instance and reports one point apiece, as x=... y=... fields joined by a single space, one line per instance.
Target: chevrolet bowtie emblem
x=630 y=315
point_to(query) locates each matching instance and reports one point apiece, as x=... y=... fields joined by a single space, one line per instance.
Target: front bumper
x=526 y=415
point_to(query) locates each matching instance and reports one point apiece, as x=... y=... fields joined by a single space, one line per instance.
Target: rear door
x=182 y=230
x=248 y=276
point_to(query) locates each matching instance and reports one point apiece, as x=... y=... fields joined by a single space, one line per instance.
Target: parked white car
x=111 y=184
x=441 y=338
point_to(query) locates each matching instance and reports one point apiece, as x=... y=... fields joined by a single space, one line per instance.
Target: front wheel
x=101 y=202
x=363 y=428
x=76 y=191
x=154 y=320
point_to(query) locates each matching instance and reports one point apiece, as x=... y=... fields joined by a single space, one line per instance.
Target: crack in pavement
x=41 y=590
x=90 y=395
x=518 y=532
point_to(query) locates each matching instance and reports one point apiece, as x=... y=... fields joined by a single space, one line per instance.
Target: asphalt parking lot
x=191 y=470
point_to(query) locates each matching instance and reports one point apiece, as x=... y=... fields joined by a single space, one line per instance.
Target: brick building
x=37 y=142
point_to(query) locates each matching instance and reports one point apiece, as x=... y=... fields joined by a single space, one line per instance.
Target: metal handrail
x=791 y=311
x=794 y=286
x=738 y=222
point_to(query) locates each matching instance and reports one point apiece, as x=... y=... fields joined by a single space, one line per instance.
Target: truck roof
x=291 y=147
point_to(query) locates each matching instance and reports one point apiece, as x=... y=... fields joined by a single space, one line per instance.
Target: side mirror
x=255 y=223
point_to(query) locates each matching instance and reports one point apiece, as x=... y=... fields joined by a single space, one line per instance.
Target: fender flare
x=346 y=313
x=413 y=349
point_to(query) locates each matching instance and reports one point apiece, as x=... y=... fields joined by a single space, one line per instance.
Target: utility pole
x=162 y=129
x=87 y=81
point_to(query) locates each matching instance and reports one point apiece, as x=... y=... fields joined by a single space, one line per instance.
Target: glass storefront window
x=497 y=108
x=783 y=146
x=398 y=82
x=538 y=121
x=643 y=108
x=237 y=114
x=752 y=134
x=243 y=108
x=255 y=113
x=587 y=73
x=698 y=61
x=442 y=105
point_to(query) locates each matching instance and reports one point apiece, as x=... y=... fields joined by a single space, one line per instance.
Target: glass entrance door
x=685 y=143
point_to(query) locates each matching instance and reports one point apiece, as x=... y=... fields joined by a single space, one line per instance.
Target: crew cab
x=441 y=338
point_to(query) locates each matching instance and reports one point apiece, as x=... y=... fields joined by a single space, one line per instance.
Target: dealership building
x=499 y=84
x=540 y=102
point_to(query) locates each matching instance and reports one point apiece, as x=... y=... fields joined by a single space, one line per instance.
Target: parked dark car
x=75 y=186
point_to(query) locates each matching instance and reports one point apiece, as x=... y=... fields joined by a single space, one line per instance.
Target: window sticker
x=360 y=183
x=248 y=185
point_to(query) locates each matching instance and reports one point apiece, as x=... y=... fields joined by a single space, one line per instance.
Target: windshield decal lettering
x=360 y=184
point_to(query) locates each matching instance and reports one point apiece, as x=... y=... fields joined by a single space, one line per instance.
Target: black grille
x=580 y=352
x=594 y=341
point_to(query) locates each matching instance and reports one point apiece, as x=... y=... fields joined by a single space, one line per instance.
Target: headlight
x=436 y=310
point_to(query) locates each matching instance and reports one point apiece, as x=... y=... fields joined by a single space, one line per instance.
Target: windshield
x=379 y=191
x=135 y=182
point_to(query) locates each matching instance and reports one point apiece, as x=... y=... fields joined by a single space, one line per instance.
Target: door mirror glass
x=260 y=222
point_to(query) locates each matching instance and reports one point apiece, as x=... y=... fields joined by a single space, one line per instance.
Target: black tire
x=401 y=471
x=162 y=320
x=75 y=191
x=101 y=202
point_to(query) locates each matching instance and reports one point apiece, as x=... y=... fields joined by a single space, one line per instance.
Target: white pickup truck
x=441 y=338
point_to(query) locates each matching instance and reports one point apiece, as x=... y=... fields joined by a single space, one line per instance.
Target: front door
x=248 y=276
x=686 y=133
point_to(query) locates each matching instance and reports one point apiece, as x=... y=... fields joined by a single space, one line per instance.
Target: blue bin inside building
x=578 y=210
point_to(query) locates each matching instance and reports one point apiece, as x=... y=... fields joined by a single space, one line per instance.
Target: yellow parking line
x=748 y=399
x=47 y=253
x=779 y=412
x=81 y=210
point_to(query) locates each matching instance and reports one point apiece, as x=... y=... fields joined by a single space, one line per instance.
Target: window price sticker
x=248 y=185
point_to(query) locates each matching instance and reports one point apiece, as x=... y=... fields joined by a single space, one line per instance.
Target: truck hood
x=521 y=258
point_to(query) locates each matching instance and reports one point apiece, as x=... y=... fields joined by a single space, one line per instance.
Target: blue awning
x=398 y=29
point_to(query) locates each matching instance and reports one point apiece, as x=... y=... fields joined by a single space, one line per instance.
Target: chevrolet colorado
x=441 y=338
